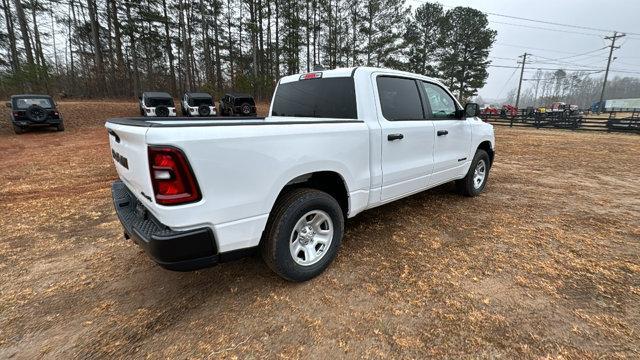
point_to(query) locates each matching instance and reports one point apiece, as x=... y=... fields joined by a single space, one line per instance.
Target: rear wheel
x=303 y=234
x=477 y=176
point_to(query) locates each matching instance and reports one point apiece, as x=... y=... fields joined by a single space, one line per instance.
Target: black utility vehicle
x=34 y=111
x=197 y=104
x=237 y=104
x=156 y=103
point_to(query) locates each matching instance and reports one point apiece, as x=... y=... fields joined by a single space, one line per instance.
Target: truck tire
x=303 y=234
x=476 y=179
x=17 y=129
x=60 y=127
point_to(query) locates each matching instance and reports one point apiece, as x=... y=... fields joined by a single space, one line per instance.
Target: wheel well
x=328 y=181
x=486 y=146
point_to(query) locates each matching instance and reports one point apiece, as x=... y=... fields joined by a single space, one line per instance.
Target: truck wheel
x=60 y=127
x=303 y=234
x=17 y=129
x=476 y=179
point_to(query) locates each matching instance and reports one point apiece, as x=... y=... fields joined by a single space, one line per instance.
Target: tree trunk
x=24 y=31
x=117 y=43
x=185 y=47
x=216 y=16
x=13 y=50
x=95 y=28
x=205 y=43
x=277 y=62
x=230 y=42
x=169 y=48
x=134 y=51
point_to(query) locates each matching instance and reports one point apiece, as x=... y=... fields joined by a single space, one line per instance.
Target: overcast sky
x=512 y=41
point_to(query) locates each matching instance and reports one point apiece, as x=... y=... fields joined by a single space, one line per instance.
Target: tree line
x=575 y=88
x=118 y=48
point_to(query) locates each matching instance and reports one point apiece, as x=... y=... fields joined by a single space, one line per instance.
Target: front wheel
x=303 y=234
x=476 y=179
x=17 y=129
x=60 y=127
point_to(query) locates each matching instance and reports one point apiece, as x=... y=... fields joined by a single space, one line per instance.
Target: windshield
x=155 y=102
x=200 y=101
x=24 y=103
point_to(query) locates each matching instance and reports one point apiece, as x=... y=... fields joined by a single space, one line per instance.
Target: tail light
x=172 y=178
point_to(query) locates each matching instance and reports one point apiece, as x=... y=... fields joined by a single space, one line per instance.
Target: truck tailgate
x=129 y=153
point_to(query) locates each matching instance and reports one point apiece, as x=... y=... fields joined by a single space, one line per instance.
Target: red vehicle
x=509 y=110
x=490 y=110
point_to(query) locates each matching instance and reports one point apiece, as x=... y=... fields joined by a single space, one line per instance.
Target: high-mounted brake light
x=171 y=176
x=315 y=75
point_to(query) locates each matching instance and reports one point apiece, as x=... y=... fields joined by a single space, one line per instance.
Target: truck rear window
x=317 y=98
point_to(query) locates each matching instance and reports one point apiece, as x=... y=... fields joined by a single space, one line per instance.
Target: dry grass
x=544 y=263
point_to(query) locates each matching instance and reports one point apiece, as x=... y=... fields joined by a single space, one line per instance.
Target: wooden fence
x=611 y=121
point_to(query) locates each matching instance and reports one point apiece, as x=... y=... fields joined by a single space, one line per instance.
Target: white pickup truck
x=195 y=192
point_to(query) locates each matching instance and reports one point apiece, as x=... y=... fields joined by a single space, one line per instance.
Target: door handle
x=442 y=132
x=392 y=137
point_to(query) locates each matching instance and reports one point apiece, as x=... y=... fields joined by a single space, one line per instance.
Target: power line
x=585 y=53
x=533 y=48
x=544 y=28
x=555 y=23
x=546 y=68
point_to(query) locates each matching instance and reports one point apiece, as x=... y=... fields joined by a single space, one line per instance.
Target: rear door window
x=399 y=98
x=317 y=98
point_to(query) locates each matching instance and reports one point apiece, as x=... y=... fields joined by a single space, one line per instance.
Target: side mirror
x=471 y=110
x=8 y=104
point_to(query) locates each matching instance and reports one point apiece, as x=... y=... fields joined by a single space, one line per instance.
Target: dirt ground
x=545 y=263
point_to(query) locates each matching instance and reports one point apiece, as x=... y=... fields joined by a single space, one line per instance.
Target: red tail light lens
x=171 y=176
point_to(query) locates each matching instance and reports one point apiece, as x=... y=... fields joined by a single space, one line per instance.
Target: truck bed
x=180 y=121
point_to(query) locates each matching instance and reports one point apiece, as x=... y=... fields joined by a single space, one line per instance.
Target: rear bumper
x=173 y=250
x=29 y=123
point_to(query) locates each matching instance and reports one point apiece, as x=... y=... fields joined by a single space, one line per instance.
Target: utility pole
x=524 y=60
x=606 y=73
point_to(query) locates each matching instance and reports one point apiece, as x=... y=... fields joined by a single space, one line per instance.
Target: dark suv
x=237 y=104
x=34 y=111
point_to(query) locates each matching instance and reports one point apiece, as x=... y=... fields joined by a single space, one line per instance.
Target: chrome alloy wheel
x=479 y=174
x=311 y=237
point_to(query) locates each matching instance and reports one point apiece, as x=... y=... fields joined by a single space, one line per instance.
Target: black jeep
x=34 y=111
x=237 y=104
x=197 y=104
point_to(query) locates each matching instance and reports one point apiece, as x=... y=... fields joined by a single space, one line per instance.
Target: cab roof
x=351 y=71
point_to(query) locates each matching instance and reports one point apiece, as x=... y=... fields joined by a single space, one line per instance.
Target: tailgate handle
x=113 y=133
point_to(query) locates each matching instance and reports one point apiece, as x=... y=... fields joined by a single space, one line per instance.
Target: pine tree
x=464 y=45
x=421 y=39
